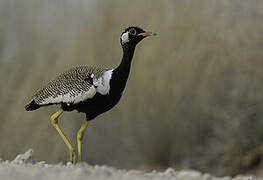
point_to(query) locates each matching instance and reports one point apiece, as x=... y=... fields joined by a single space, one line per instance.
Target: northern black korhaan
x=90 y=90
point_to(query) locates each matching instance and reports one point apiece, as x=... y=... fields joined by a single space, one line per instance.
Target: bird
x=87 y=89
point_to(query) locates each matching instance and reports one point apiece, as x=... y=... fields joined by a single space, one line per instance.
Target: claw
x=73 y=157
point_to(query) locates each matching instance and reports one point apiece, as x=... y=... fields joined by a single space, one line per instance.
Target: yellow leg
x=54 y=122
x=80 y=136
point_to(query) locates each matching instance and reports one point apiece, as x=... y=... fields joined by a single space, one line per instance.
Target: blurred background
x=193 y=99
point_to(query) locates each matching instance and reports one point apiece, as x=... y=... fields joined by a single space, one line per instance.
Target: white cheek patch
x=125 y=37
x=102 y=84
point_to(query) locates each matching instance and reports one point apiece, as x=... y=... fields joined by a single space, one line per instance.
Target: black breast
x=99 y=103
x=95 y=106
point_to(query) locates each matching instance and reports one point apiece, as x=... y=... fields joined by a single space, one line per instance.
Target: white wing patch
x=102 y=84
x=69 y=98
x=125 y=37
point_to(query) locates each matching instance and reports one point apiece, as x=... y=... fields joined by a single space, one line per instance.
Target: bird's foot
x=73 y=157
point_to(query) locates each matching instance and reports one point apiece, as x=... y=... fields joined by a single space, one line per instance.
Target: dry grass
x=193 y=99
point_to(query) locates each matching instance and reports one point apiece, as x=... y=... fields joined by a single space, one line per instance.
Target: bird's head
x=133 y=35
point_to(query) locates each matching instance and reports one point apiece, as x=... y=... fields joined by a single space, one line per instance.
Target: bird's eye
x=132 y=31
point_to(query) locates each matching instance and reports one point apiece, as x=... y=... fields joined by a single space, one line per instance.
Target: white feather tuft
x=102 y=84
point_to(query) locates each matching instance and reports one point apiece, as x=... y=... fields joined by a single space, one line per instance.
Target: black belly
x=95 y=106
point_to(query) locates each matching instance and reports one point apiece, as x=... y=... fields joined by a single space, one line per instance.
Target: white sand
x=23 y=167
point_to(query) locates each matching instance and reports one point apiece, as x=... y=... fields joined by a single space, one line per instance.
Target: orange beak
x=146 y=34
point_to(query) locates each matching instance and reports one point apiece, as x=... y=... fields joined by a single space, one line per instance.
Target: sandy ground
x=23 y=167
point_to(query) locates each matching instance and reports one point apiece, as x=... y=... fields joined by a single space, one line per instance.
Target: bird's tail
x=32 y=106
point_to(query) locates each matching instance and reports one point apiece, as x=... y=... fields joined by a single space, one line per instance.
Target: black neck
x=125 y=65
x=121 y=73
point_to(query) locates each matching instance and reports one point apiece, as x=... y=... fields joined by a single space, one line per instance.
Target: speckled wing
x=72 y=86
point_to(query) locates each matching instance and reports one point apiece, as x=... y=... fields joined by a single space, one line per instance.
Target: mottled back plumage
x=72 y=86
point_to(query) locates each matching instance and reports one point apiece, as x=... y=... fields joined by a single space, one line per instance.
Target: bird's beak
x=146 y=34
